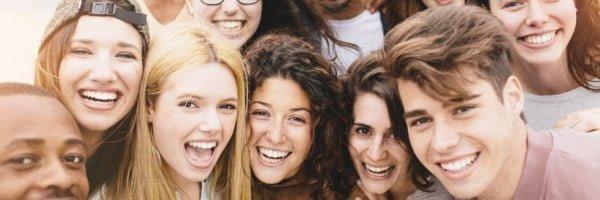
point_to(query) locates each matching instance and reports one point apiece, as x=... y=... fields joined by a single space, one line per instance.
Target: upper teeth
x=230 y=24
x=100 y=95
x=203 y=145
x=273 y=153
x=459 y=164
x=377 y=169
x=540 y=39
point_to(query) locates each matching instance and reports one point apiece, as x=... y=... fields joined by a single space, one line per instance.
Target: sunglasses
x=218 y=2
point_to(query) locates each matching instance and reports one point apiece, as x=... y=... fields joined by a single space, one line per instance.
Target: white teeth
x=100 y=95
x=203 y=145
x=377 y=169
x=230 y=24
x=459 y=164
x=539 y=39
x=274 y=154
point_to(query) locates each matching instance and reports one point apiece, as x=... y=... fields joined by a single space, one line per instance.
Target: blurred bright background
x=22 y=24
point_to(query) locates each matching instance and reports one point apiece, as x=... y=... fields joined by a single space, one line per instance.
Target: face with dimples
x=281 y=124
x=237 y=22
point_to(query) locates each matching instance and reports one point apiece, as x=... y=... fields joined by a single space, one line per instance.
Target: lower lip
x=98 y=106
x=543 y=45
x=455 y=176
x=443 y=2
x=378 y=178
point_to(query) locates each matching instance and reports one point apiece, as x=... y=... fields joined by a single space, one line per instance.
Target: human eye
x=25 y=162
x=80 y=51
x=463 y=110
x=227 y=107
x=298 y=119
x=188 y=104
x=74 y=160
x=361 y=130
x=512 y=4
x=420 y=121
x=127 y=55
x=260 y=114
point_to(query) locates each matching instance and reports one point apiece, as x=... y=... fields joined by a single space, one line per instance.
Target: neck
x=92 y=140
x=507 y=181
x=189 y=190
x=353 y=9
x=402 y=189
x=544 y=79
x=165 y=11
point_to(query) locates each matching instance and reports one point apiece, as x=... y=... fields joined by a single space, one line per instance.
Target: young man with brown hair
x=463 y=114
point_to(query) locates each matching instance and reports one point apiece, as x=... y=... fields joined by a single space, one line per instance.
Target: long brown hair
x=280 y=55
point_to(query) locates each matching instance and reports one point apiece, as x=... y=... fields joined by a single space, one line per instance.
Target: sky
x=22 y=24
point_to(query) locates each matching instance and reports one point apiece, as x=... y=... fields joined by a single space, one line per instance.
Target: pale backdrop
x=22 y=23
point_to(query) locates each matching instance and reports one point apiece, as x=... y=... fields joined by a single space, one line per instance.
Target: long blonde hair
x=182 y=45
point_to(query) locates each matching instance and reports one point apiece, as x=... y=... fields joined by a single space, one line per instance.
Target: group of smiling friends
x=308 y=99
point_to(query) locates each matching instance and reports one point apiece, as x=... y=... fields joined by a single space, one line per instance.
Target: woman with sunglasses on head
x=293 y=120
x=377 y=161
x=92 y=57
x=556 y=55
x=243 y=21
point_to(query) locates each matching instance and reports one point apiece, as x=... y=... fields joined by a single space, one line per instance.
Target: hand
x=586 y=120
x=372 y=5
x=370 y=195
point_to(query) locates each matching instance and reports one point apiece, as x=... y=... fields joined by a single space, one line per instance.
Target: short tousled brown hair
x=441 y=49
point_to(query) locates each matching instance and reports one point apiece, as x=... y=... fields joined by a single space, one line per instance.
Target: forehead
x=369 y=108
x=414 y=97
x=282 y=92
x=34 y=116
x=202 y=79
x=106 y=30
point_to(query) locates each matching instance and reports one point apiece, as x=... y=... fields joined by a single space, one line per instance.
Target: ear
x=513 y=95
x=150 y=107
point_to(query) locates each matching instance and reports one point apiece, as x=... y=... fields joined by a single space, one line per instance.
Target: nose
x=376 y=149
x=102 y=71
x=209 y=121
x=536 y=15
x=275 y=133
x=445 y=137
x=230 y=7
x=56 y=177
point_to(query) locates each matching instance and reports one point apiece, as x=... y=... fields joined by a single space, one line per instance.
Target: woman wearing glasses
x=243 y=21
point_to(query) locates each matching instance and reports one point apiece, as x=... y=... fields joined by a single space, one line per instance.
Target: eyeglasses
x=217 y=2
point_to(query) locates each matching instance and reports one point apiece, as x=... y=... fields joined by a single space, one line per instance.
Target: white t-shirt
x=364 y=30
x=543 y=112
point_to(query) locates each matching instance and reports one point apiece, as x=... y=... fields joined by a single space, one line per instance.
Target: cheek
x=131 y=75
x=15 y=185
x=206 y=13
x=228 y=122
x=301 y=139
x=420 y=143
x=69 y=72
x=356 y=146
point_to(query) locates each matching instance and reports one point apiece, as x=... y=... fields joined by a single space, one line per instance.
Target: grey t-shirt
x=543 y=112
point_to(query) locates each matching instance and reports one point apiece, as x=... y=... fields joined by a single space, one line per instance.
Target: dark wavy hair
x=583 y=51
x=297 y=18
x=368 y=75
x=289 y=57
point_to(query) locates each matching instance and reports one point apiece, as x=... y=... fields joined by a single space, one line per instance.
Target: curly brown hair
x=289 y=57
x=443 y=49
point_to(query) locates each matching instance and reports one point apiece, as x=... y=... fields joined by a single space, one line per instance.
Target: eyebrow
x=120 y=44
x=26 y=142
x=196 y=96
x=415 y=113
x=361 y=124
x=270 y=106
x=75 y=142
x=458 y=100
